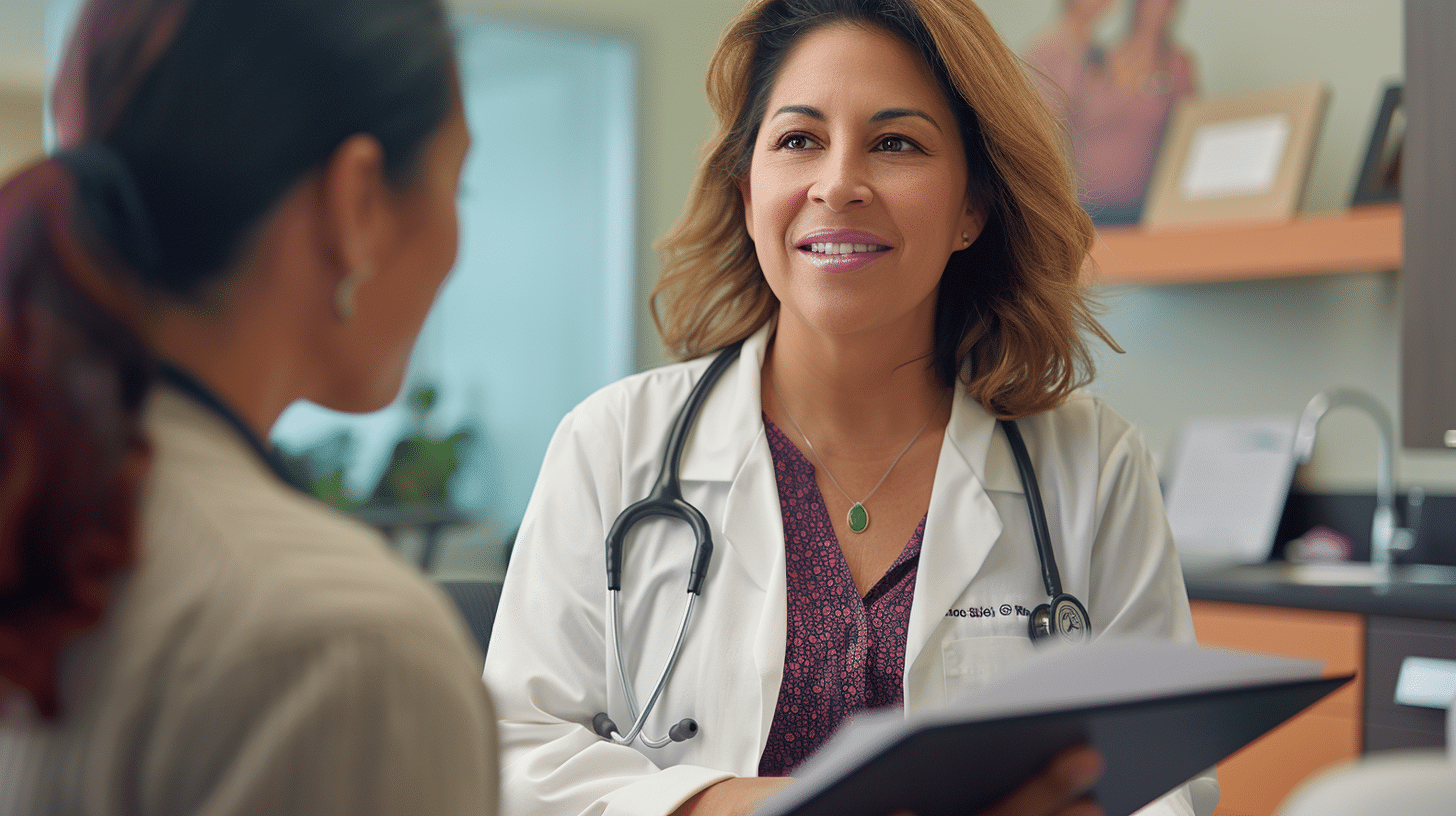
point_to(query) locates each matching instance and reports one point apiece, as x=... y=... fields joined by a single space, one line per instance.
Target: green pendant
x=859 y=518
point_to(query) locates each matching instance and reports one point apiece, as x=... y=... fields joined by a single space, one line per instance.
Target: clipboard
x=1155 y=731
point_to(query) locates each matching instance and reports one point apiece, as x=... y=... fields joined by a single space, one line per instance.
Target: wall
x=1267 y=347
x=1263 y=347
x=675 y=39
x=1222 y=348
x=20 y=127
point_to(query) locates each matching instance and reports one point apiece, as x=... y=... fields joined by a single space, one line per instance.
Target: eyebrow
x=881 y=116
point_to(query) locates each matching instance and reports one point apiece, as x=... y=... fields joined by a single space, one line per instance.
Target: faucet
x=1385 y=536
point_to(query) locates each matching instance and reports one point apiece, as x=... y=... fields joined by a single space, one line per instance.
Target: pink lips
x=842 y=250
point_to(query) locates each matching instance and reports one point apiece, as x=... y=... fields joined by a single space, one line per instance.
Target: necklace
x=858 y=517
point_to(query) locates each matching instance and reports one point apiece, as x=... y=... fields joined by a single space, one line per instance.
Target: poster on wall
x=1115 y=94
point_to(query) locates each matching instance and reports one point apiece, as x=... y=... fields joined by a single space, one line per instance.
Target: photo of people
x=1114 y=98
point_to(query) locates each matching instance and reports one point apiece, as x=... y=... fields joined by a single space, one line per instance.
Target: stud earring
x=965 y=239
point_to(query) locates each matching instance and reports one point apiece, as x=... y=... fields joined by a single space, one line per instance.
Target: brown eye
x=795 y=141
x=895 y=144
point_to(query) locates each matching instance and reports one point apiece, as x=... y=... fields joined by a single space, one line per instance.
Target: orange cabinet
x=1254 y=781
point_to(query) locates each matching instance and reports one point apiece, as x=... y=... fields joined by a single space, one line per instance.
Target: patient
x=254 y=204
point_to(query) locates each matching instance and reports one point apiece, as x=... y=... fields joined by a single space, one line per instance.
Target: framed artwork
x=1243 y=156
x=1379 y=179
x=1114 y=101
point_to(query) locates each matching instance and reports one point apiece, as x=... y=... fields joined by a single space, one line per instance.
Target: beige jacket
x=265 y=656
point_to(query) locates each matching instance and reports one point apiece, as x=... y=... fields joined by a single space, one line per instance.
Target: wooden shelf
x=1362 y=239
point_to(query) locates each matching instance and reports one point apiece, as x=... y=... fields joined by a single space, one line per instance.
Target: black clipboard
x=946 y=765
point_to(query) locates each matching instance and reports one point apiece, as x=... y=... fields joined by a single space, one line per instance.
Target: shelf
x=1362 y=239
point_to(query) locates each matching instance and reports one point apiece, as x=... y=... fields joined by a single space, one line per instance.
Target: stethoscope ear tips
x=603 y=725
x=686 y=728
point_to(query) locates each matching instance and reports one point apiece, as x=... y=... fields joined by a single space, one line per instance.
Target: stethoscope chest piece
x=1064 y=620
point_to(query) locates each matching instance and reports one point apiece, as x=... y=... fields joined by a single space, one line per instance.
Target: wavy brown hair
x=1013 y=310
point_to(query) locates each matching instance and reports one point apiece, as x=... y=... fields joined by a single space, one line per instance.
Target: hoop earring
x=344 y=293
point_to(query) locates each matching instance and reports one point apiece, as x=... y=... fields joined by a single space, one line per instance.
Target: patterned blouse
x=844 y=653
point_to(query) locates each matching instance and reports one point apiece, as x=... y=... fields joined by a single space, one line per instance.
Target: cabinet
x=1428 y=190
x=1389 y=641
x=1254 y=781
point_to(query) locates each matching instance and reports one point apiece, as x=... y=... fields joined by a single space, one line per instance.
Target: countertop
x=1265 y=585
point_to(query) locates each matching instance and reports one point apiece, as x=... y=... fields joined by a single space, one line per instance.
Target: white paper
x=1227 y=488
x=1235 y=158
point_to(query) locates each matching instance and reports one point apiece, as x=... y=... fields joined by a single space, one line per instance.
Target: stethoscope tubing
x=640 y=720
x=665 y=500
x=1040 y=532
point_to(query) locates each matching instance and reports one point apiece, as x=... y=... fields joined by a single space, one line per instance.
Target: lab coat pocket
x=974 y=662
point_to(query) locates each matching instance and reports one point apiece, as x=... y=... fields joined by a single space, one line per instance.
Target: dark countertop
x=1266 y=585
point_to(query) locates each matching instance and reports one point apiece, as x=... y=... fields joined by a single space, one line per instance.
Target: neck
x=237 y=364
x=877 y=389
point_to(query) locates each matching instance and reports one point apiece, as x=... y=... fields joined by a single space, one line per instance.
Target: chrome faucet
x=1385 y=536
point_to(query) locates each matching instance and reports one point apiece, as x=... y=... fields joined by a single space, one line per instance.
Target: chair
x=1397 y=783
x=477 y=601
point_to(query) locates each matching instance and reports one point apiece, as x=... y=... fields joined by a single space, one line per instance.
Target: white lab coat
x=551 y=664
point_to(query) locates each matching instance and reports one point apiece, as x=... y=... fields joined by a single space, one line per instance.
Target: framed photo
x=1379 y=179
x=1236 y=157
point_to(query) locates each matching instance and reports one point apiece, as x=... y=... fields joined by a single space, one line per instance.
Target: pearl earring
x=344 y=294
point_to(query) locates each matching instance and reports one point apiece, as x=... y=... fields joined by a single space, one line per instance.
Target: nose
x=842 y=181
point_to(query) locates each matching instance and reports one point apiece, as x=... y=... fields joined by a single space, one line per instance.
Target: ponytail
x=183 y=122
x=73 y=376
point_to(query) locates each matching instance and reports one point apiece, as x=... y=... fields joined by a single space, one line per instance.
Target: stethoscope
x=1063 y=618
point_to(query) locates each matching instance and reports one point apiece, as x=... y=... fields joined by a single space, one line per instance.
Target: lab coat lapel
x=960 y=527
x=728 y=447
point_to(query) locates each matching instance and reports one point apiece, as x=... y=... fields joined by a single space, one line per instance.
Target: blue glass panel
x=538 y=312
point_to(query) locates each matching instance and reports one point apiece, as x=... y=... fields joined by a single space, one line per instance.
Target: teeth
x=844 y=249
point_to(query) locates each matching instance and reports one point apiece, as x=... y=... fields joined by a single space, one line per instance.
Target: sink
x=1346 y=574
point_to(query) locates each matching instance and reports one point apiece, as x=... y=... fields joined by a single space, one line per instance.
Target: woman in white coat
x=886 y=221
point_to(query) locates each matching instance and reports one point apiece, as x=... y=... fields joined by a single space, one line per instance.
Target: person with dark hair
x=253 y=203
x=878 y=286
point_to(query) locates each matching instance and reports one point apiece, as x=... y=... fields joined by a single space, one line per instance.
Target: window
x=536 y=315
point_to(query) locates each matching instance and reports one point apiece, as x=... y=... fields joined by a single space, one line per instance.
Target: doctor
x=886 y=220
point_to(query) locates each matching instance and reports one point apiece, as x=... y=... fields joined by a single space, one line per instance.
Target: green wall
x=1262 y=347
x=1265 y=347
x=675 y=39
x=1240 y=348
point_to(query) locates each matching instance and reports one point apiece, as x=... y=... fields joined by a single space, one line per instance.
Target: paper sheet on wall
x=1226 y=490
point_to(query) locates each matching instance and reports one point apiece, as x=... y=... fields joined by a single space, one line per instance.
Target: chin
x=353 y=398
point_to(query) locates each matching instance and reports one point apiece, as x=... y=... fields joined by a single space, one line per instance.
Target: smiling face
x=856 y=195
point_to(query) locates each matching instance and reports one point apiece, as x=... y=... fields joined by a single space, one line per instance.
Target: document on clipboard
x=1160 y=713
x=1226 y=489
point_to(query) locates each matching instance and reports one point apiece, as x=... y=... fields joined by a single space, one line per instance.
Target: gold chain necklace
x=858 y=517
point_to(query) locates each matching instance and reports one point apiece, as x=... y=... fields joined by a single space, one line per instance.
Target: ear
x=972 y=221
x=744 y=190
x=355 y=199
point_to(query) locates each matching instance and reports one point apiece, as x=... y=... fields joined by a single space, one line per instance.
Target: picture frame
x=1236 y=157
x=1379 y=178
